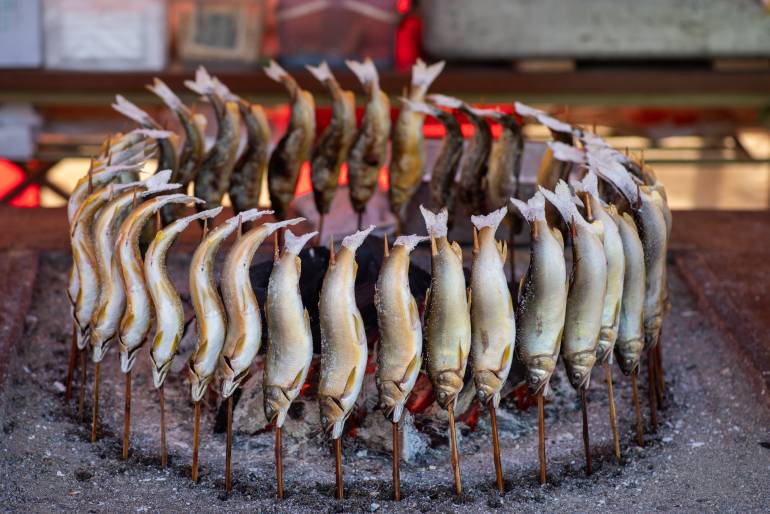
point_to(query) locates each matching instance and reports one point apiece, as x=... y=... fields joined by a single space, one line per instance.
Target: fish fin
x=423 y=75
x=561 y=198
x=504 y=360
x=409 y=242
x=435 y=223
x=415 y=363
x=322 y=72
x=426 y=304
x=307 y=321
x=414 y=313
x=365 y=71
x=522 y=281
x=598 y=228
x=448 y=102
x=533 y=209
x=460 y=357
x=132 y=111
x=160 y=89
x=420 y=107
x=275 y=71
x=559 y=237
x=502 y=247
x=566 y=153
x=297 y=381
x=589 y=184
x=360 y=330
x=354 y=241
x=298 y=264
x=510 y=305
x=468 y=296
x=491 y=220
x=294 y=244
x=457 y=250
x=350 y=384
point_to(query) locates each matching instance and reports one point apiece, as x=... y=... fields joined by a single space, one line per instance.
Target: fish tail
x=420 y=107
x=409 y=242
x=563 y=200
x=275 y=71
x=322 y=72
x=210 y=213
x=246 y=216
x=435 y=223
x=449 y=102
x=491 y=220
x=589 y=184
x=294 y=244
x=484 y=113
x=365 y=71
x=155 y=133
x=533 y=209
x=272 y=227
x=203 y=83
x=165 y=93
x=132 y=111
x=354 y=241
x=424 y=75
x=567 y=153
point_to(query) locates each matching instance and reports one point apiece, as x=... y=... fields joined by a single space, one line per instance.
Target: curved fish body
x=136 y=320
x=334 y=145
x=653 y=232
x=447 y=313
x=244 y=323
x=406 y=167
x=370 y=147
x=493 y=323
x=289 y=337
x=210 y=314
x=587 y=288
x=542 y=302
x=343 y=338
x=400 y=352
x=249 y=172
x=616 y=262
x=474 y=166
x=169 y=314
x=112 y=298
x=630 y=341
x=504 y=166
x=294 y=147
x=442 y=178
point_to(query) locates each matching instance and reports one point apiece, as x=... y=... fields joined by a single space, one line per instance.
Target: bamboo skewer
x=279 y=463
x=541 y=436
x=586 y=443
x=127 y=416
x=72 y=363
x=396 y=462
x=613 y=418
x=95 y=407
x=496 y=449
x=163 y=448
x=82 y=391
x=229 y=446
x=637 y=409
x=455 y=454
x=651 y=390
x=196 y=441
x=340 y=491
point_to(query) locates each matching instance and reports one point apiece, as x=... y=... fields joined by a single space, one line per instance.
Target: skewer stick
x=73 y=361
x=613 y=418
x=586 y=443
x=455 y=454
x=659 y=371
x=496 y=448
x=127 y=416
x=338 y=467
x=637 y=409
x=651 y=390
x=163 y=448
x=396 y=462
x=541 y=436
x=279 y=462
x=95 y=407
x=229 y=446
x=196 y=441
x=82 y=392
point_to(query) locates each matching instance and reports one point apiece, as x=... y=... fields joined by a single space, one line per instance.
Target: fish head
x=276 y=405
x=628 y=355
x=83 y=337
x=446 y=387
x=579 y=368
x=487 y=386
x=539 y=371
x=607 y=338
x=333 y=416
x=392 y=400
x=128 y=357
x=652 y=327
x=159 y=372
x=230 y=379
x=198 y=385
x=100 y=346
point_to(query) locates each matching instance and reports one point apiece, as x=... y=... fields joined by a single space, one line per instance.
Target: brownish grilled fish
x=474 y=165
x=504 y=165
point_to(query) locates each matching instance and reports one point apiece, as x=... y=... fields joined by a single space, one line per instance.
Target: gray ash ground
x=710 y=453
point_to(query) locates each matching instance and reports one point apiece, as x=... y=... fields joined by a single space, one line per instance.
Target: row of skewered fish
x=612 y=301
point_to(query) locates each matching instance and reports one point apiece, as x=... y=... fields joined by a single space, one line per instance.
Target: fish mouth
x=83 y=337
x=540 y=369
x=128 y=358
x=276 y=405
x=100 y=348
x=231 y=380
x=159 y=373
x=392 y=401
x=652 y=327
x=333 y=416
x=488 y=387
x=628 y=358
x=447 y=386
x=607 y=338
x=579 y=368
x=198 y=385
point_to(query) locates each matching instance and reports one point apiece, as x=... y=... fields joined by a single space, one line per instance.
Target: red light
x=10 y=177
x=403 y=6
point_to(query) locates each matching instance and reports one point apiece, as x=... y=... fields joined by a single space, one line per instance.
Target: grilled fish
x=442 y=177
x=249 y=172
x=334 y=145
x=244 y=323
x=400 y=353
x=289 y=338
x=630 y=341
x=209 y=310
x=493 y=324
x=587 y=288
x=406 y=167
x=504 y=165
x=294 y=147
x=542 y=301
x=370 y=147
x=135 y=324
x=169 y=314
x=474 y=165
x=343 y=339
x=447 y=312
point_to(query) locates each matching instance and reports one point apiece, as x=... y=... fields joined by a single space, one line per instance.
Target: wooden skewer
x=496 y=448
x=279 y=462
x=541 y=436
x=637 y=409
x=196 y=440
x=127 y=416
x=95 y=406
x=229 y=446
x=72 y=364
x=82 y=392
x=455 y=454
x=613 y=418
x=338 y=467
x=163 y=447
x=396 y=461
x=651 y=390
x=586 y=443
x=659 y=373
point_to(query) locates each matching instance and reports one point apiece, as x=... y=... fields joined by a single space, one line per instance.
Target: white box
x=20 y=34
x=106 y=35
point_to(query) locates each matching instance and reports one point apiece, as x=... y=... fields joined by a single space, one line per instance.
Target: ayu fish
x=473 y=171
x=504 y=164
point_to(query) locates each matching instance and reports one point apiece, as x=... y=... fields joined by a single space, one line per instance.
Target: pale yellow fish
x=630 y=341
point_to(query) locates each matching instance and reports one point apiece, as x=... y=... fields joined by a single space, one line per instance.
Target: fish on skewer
x=333 y=146
x=616 y=263
x=447 y=323
x=136 y=320
x=343 y=344
x=193 y=149
x=474 y=166
x=289 y=340
x=370 y=146
x=406 y=167
x=210 y=316
x=541 y=308
x=493 y=324
x=169 y=314
x=585 y=299
x=400 y=353
x=213 y=177
x=294 y=147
